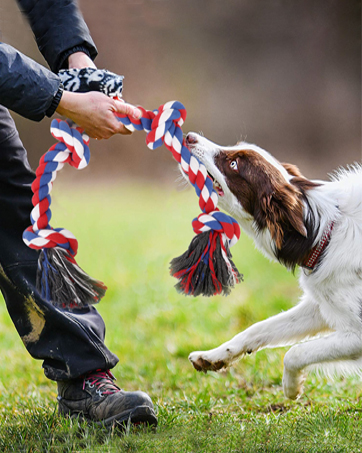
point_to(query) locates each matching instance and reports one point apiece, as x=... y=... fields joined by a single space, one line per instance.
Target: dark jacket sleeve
x=26 y=87
x=59 y=29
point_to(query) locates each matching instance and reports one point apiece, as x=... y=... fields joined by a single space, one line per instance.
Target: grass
x=127 y=236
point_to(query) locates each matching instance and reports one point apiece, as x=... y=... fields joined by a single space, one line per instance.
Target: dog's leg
x=337 y=347
x=294 y=325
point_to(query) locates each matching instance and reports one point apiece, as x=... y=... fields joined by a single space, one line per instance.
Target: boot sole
x=139 y=414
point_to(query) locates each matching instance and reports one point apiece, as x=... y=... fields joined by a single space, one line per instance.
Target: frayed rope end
x=61 y=281
x=206 y=268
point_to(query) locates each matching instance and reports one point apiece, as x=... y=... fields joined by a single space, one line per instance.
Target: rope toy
x=59 y=278
x=206 y=268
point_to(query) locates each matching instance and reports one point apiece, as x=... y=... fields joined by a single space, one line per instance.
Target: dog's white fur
x=329 y=314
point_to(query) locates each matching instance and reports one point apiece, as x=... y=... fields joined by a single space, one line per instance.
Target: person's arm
x=26 y=87
x=33 y=91
x=59 y=30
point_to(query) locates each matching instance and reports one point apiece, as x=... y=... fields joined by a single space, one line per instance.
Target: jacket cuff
x=55 y=102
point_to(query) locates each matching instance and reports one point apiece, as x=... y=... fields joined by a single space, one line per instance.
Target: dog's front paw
x=204 y=361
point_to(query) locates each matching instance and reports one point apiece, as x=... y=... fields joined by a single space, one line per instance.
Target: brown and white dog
x=316 y=225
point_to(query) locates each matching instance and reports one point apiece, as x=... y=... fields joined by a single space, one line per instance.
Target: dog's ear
x=283 y=211
x=293 y=170
x=298 y=180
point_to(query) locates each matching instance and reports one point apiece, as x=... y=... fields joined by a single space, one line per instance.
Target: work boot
x=96 y=398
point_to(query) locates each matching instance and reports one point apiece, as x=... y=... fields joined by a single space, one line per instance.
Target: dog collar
x=314 y=255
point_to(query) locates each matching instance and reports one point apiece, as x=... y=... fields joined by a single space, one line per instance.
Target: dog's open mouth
x=217 y=187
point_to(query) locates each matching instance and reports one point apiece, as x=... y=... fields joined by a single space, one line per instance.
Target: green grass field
x=127 y=236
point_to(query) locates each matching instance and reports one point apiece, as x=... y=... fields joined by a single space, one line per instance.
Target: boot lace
x=102 y=381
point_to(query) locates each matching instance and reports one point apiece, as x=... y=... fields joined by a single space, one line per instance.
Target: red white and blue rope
x=163 y=126
x=73 y=149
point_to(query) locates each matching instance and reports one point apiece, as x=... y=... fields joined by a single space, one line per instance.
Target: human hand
x=94 y=112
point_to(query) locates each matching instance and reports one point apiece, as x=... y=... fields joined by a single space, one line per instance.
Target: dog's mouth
x=192 y=140
x=216 y=185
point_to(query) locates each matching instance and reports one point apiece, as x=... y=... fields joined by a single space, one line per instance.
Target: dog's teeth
x=217 y=187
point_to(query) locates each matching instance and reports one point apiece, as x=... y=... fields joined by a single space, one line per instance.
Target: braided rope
x=164 y=126
x=72 y=148
x=59 y=277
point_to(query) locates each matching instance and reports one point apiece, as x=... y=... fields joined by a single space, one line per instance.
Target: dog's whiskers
x=182 y=183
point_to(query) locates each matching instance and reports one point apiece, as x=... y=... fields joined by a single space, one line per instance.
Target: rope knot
x=73 y=142
x=166 y=124
x=219 y=222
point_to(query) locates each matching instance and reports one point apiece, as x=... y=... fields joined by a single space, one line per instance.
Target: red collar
x=314 y=255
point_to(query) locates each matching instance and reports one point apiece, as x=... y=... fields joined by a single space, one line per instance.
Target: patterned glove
x=90 y=79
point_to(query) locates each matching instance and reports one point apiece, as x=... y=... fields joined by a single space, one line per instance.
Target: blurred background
x=285 y=75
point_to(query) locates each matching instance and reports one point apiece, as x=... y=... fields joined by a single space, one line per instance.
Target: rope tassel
x=206 y=267
x=59 y=278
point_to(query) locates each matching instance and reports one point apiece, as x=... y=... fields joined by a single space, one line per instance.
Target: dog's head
x=251 y=183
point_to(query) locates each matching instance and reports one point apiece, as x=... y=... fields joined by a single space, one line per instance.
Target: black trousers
x=70 y=342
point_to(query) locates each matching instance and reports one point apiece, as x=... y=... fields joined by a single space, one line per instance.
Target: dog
x=316 y=225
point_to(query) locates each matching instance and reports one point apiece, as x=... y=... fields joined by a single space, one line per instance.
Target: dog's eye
x=234 y=165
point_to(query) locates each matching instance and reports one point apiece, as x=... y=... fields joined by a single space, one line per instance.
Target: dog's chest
x=339 y=298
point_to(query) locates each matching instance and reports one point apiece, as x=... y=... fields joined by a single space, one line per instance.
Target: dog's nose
x=191 y=138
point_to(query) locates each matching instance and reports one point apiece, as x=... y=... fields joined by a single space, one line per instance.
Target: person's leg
x=70 y=342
